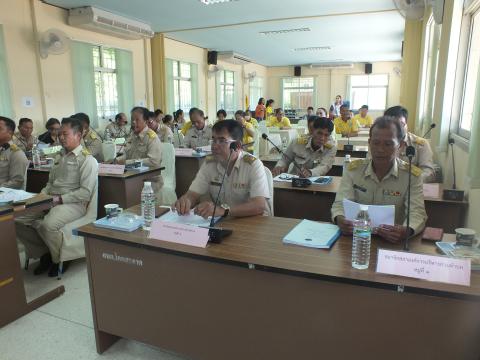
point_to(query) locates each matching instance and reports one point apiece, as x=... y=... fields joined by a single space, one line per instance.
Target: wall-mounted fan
x=415 y=9
x=53 y=41
x=213 y=69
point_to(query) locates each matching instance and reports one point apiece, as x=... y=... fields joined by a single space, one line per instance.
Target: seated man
x=143 y=144
x=50 y=137
x=91 y=141
x=13 y=162
x=344 y=124
x=279 y=120
x=363 y=118
x=155 y=122
x=423 y=157
x=24 y=138
x=72 y=179
x=200 y=133
x=383 y=180
x=119 y=128
x=315 y=155
x=245 y=191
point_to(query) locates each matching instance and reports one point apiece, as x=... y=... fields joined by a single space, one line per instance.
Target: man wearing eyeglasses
x=245 y=191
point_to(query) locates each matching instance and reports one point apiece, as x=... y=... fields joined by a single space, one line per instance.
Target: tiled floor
x=63 y=328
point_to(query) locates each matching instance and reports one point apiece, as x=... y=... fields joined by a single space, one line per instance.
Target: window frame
x=258 y=89
x=221 y=95
x=313 y=88
x=177 y=88
x=351 y=87
x=101 y=69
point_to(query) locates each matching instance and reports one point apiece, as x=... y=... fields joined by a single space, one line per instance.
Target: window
x=298 y=93
x=5 y=101
x=471 y=77
x=369 y=90
x=105 y=69
x=256 y=91
x=182 y=85
x=226 y=91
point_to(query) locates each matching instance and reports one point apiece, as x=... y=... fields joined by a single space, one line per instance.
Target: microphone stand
x=410 y=154
x=178 y=136
x=429 y=130
x=265 y=137
x=216 y=235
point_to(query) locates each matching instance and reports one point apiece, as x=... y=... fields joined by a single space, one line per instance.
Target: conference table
x=13 y=301
x=356 y=140
x=124 y=189
x=359 y=151
x=315 y=203
x=186 y=168
x=253 y=297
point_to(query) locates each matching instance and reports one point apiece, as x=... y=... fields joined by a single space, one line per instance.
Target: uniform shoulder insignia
x=93 y=135
x=14 y=147
x=151 y=134
x=328 y=146
x=356 y=163
x=209 y=158
x=302 y=140
x=420 y=141
x=249 y=158
x=85 y=152
x=416 y=171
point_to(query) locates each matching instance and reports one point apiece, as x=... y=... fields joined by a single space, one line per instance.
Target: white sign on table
x=179 y=233
x=183 y=152
x=425 y=267
x=113 y=169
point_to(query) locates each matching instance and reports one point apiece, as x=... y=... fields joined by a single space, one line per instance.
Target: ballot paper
x=190 y=219
x=8 y=195
x=379 y=214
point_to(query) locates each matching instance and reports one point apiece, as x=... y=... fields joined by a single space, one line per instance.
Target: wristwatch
x=226 y=208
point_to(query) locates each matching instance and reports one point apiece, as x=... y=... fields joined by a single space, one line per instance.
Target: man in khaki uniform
x=315 y=155
x=119 y=128
x=23 y=138
x=91 y=140
x=245 y=191
x=200 y=133
x=163 y=132
x=72 y=180
x=143 y=144
x=383 y=180
x=13 y=162
x=423 y=152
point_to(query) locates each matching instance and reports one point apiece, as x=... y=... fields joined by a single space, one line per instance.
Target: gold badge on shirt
x=391 y=192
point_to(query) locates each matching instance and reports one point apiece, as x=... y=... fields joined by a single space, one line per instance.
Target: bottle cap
x=364 y=207
x=147 y=183
x=347 y=157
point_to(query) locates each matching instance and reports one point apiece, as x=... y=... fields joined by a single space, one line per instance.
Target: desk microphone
x=453 y=193
x=178 y=135
x=217 y=234
x=410 y=152
x=265 y=137
x=432 y=126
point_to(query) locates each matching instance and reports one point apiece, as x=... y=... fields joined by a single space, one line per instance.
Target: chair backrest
x=269 y=176
x=109 y=151
x=168 y=160
x=24 y=187
x=302 y=122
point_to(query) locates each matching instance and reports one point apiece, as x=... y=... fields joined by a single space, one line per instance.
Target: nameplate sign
x=425 y=267
x=111 y=169
x=179 y=233
x=183 y=152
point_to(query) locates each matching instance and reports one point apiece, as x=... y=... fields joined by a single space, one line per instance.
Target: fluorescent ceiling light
x=213 y=2
x=313 y=48
x=283 y=31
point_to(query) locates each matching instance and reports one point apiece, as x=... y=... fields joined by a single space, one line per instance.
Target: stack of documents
x=313 y=234
x=8 y=195
x=190 y=219
x=124 y=222
x=322 y=180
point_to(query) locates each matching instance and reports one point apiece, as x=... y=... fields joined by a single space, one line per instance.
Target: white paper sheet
x=191 y=219
x=379 y=214
x=9 y=195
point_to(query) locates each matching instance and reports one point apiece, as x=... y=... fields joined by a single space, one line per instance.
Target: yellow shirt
x=363 y=121
x=343 y=127
x=254 y=122
x=273 y=121
x=186 y=127
x=247 y=139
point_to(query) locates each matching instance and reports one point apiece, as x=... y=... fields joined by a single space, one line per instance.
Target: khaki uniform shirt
x=73 y=176
x=423 y=156
x=196 y=138
x=143 y=146
x=246 y=181
x=165 y=134
x=13 y=165
x=93 y=144
x=319 y=161
x=117 y=131
x=24 y=143
x=360 y=184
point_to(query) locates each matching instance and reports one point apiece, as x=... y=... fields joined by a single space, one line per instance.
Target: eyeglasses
x=221 y=141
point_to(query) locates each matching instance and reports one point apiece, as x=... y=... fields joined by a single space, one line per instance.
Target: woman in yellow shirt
x=248 y=130
x=269 y=109
x=248 y=118
x=279 y=120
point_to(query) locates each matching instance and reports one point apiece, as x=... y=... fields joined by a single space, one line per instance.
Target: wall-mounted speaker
x=297 y=71
x=368 y=68
x=212 y=57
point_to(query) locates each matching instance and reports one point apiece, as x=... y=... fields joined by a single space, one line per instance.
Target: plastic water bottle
x=362 y=234
x=36 y=157
x=148 y=205
x=108 y=135
x=346 y=162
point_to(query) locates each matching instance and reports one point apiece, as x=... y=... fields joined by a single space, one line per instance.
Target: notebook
x=313 y=234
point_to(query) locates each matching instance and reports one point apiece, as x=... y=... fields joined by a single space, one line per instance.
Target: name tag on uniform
x=214 y=183
x=358 y=187
x=391 y=193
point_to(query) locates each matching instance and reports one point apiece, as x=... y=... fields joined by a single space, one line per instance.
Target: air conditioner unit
x=233 y=58
x=98 y=20
x=332 y=65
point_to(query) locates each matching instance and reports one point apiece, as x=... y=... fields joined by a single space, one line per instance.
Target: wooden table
x=253 y=297
x=13 y=299
x=315 y=203
x=186 y=168
x=122 y=189
x=358 y=151
x=337 y=168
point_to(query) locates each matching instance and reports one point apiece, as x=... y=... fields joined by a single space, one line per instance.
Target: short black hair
x=310 y=108
x=260 y=100
x=158 y=112
x=240 y=112
x=74 y=123
x=177 y=113
x=344 y=106
x=222 y=112
x=151 y=115
x=311 y=119
x=195 y=110
x=167 y=118
x=23 y=121
x=364 y=107
x=82 y=117
x=385 y=122
x=9 y=123
x=322 y=123
x=142 y=110
x=118 y=116
x=233 y=127
x=397 y=111
x=51 y=122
